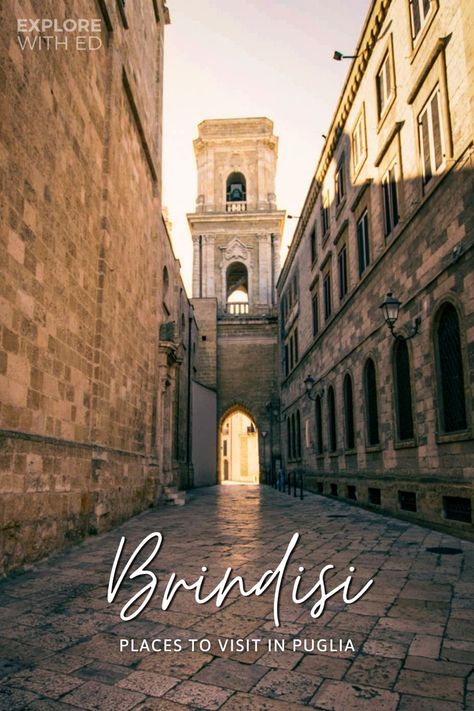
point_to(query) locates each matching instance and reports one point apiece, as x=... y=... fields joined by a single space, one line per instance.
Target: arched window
x=371 y=408
x=452 y=398
x=298 y=435
x=332 y=420
x=319 y=425
x=403 y=397
x=349 y=412
x=236 y=188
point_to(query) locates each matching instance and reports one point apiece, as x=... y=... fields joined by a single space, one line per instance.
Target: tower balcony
x=236 y=206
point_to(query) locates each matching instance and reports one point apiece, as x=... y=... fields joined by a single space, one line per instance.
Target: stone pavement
x=412 y=632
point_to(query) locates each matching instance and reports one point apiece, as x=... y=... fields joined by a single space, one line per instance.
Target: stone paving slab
x=412 y=632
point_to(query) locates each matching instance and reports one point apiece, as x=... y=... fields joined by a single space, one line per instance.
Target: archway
x=238 y=449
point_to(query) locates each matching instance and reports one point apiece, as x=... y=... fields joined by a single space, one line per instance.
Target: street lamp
x=310 y=384
x=338 y=56
x=391 y=309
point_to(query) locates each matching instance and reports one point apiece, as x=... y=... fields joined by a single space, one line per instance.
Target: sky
x=226 y=59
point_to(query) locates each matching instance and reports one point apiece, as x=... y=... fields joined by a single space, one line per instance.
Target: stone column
x=196 y=266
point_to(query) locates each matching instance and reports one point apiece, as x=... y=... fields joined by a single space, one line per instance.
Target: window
x=288 y=437
x=403 y=396
x=315 y=313
x=384 y=85
x=325 y=216
x=390 y=199
x=291 y=351
x=359 y=144
x=340 y=184
x=332 y=432
x=452 y=398
x=313 y=245
x=371 y=407
x=363 y=242
x=319 y=425
x=349 y=412
x=327 y=296
x=293 y=427
x=432 y=149
x=342 y=270
x=419 y=11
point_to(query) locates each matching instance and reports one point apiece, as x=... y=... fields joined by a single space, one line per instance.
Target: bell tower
x=237 y=231
x=236 y=228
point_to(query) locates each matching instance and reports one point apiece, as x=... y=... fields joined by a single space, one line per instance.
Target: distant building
x=95 y=327
x=387 y=422
x=236 y=231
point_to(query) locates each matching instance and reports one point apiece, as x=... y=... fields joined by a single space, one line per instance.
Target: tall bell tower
x=236 y=228
x=237 y=231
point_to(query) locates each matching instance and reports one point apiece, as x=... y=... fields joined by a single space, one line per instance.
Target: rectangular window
x=325 y=217
x=340 y=186
x=419 y=11
x=342 y=270
x=390 y=199
x=287 y=359
x=431 y=137
x=363 y=242
x=384 y=85
x=295 y=341
x=313 y=245
x=315 y=313
x=327 y=296
x=359 y=145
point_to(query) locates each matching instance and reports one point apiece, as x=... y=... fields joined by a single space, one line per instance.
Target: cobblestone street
x=412 y=632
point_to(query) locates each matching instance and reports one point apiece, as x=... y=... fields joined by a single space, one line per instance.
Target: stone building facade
x=384 y=421
x=236 y=231
x=95 y=325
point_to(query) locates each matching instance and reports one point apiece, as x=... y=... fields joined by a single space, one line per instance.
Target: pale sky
x=252 y=58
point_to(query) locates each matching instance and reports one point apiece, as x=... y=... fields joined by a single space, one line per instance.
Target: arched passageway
x=238 y=449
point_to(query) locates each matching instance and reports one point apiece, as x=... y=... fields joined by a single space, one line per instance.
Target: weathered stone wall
x=426 y=259
x=82 y=295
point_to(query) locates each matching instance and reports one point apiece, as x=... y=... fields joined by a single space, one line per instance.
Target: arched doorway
x=238 y=449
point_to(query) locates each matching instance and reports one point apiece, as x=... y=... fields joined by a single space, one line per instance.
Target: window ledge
x=405 y=444
x=350 y=452
x=454 y=437
x=373 y=448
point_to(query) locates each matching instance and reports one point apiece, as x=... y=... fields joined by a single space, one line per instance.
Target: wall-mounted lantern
x=391 y=309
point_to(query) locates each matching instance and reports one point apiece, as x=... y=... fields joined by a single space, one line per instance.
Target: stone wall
x=82 y=290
